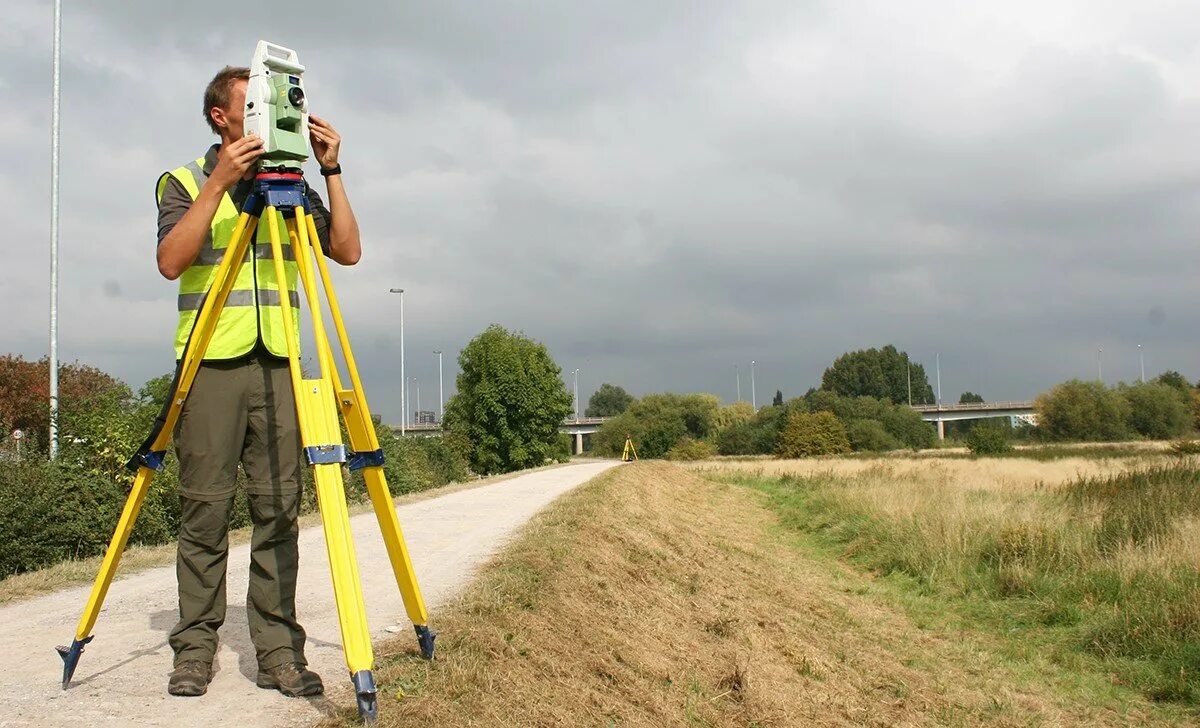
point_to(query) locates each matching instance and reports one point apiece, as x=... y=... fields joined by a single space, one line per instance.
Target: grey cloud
x=661 y=190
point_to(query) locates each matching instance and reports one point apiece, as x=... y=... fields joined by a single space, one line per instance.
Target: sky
x=659 y=191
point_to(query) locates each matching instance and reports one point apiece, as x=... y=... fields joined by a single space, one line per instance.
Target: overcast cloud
x=658 y=191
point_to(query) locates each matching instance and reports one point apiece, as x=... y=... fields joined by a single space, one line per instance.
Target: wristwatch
x=336 y=169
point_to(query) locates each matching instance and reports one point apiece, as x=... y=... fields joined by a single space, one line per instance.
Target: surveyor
x=241 y=409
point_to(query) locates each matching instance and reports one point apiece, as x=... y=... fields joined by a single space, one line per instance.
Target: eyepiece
x=296 y=96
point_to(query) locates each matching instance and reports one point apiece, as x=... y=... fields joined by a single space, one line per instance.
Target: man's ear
x=218 y=116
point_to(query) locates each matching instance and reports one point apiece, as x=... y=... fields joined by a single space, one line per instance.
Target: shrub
x=870 y=435
x=812 y=434
x=1158 y=411
x=1186 y=447
x=690 y=449
x=1078 y=410
x=657 y=422
x=989 y=439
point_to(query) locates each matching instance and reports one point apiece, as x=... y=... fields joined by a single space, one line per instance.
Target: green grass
x=1101 y=574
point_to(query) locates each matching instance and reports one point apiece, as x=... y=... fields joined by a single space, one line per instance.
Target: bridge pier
x=941 y=429
x=578 y=443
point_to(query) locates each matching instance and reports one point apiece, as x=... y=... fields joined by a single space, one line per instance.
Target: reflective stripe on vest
x=252 y=311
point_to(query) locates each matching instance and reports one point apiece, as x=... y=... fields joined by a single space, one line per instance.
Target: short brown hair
x=217 y=94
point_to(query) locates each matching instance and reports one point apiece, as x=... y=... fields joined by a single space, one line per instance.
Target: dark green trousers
x=239 y=412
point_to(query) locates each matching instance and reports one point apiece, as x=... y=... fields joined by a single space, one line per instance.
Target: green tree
x=1158 y=410
x=1078 y=410
x=509 y=404
x=608 y=401
x=881 y=373
x=1174 y=379
x=989 y=439
x=970 y=398
x=778 y=400
x=657 y=423
x=810 y=434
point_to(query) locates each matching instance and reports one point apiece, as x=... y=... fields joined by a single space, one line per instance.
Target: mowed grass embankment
x=655 y=597
x=1092 y=565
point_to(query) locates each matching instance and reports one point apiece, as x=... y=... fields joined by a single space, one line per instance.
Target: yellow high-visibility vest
x=252 y=311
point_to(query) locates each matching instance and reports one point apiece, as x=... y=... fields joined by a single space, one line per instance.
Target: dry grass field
x=654 y=596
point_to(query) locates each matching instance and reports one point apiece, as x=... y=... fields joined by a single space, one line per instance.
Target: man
x=241 y=407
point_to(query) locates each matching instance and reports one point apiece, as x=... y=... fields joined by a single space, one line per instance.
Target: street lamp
x=576 y=375
x=753 y=392
x=403 y=381
x=738 y=376
x=1142 y=361
x=441 y=398
x=937 y=359
x=54 y=115
x=1099 y=365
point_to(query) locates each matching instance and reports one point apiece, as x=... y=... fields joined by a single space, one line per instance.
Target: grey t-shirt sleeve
x=320 y=213
x=174 y=203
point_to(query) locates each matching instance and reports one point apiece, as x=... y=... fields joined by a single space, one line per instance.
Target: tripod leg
x=150 y=456
x=319 y=431
x=368 y=456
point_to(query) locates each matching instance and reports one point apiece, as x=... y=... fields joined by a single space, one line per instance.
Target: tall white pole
x=54 y=116
x=576 y=395
x=408 y=398
x=753 y=391
x=908 y=370
x=441 y=397
x=403 y=381
x=938 y=362
x=1142 y=361
x=738 y=376
x=1099 y=365
x=418 y=383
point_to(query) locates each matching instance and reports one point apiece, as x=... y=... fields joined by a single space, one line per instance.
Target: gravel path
x=122 y=676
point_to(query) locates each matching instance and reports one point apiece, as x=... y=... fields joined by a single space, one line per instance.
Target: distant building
x=424 y=417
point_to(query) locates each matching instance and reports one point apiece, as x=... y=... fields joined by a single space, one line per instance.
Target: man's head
x=225 y=102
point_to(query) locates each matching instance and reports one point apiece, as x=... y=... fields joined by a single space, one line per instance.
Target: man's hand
x=234 y=162
x=325 y=141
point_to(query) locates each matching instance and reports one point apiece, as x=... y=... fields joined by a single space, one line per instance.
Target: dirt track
x=121 y=678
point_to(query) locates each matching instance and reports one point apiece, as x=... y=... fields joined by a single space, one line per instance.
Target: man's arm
x=178 y=250
x=345 y=246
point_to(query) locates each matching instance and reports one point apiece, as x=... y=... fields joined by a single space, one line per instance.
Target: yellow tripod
x=317 y=403
x=629 y=454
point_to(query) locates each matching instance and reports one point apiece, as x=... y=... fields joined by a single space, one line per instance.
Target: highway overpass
x=937 y=414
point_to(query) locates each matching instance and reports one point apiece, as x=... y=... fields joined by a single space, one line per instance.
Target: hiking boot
x=292 y=679
x=190 y=678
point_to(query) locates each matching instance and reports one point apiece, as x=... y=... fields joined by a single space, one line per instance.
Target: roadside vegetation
x=655 y=597
x=1091 y=563
x=66 y=510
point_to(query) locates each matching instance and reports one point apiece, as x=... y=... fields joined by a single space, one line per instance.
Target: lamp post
x=937 y=358
x=908 y=371
x=1099 y=365
x=418 y=383
x=753 y=391
x=441 y=397
x=576 y=395
x=54 y=116
x=1142 y=361
x=738 y=376
x=403 y=381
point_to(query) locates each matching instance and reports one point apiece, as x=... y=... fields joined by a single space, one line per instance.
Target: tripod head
x=276 y=107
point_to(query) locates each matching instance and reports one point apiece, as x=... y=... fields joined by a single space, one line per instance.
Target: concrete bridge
x=576 y=428
x=939 y=414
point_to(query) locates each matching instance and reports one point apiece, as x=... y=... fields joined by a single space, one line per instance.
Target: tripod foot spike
x=425 y=638
x=70 y=657
x=367 y=696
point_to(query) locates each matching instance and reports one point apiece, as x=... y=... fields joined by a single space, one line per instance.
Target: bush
x=657 y=422
x=989 y=439
x=1082 y=411
x=870 y=435
x=1158 y=411
x=812 y=434
x=690 y=449
x=1186 y=447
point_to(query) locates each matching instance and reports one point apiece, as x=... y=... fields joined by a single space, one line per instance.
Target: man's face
x=232 y=117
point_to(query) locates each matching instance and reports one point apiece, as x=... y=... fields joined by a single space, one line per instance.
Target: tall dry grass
x=1101 y=555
